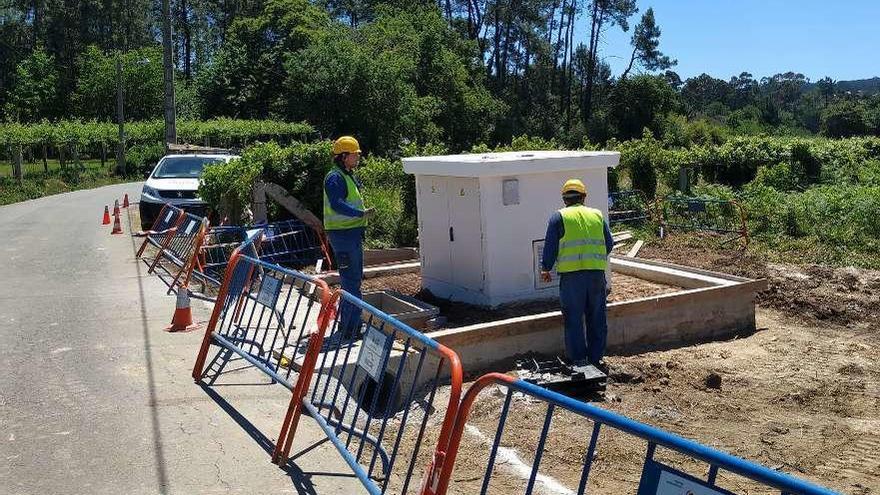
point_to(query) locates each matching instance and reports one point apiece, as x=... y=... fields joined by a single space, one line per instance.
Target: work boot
x=603 y=367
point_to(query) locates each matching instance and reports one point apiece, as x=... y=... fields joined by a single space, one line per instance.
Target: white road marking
x=511 y=460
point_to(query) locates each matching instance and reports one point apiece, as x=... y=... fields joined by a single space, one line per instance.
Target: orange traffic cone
x=125 y=201
x=116 y=207
x=106 y=220
x=117 y=225
x=182 y=320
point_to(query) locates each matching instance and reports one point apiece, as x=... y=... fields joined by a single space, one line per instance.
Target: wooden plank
x=635 y=249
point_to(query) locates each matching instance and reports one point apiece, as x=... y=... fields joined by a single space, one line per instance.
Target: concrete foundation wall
x=721 y=307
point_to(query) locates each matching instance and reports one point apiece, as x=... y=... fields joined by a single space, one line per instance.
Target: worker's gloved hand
x=369 y=212
x=545 y=277
x=607 y=284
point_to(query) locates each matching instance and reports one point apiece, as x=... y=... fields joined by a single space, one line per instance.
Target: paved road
x=96 y=398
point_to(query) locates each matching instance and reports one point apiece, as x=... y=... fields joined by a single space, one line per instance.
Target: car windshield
x=182 y=167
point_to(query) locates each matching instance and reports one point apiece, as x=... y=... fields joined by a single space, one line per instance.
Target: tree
x=844 y=118
x=246 y=77
x=743 y=90
x=638 y=103
x=407 y=75
x=826 y=88
x=673 y=79
x=34 y=93
x=95 y=93
x=645 y=42
x=699 y=92
x=603 y=14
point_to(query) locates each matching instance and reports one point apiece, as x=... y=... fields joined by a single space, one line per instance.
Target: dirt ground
x=625 y=288
x=810 y=293
x=801 y=395
x=800 y=399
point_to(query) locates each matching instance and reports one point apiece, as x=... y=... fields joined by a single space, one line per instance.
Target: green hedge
x=818 y=192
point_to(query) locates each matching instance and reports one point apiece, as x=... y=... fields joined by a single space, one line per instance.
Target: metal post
x=16 y=164
x=684 y=182
x=120 y=115
x=168 y=61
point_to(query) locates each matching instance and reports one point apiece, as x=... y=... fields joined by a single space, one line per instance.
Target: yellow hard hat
x=574 y=185
x=346 y=144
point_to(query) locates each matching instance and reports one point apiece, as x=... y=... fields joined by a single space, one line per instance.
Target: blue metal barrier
x=215 y=252
x=656 y=477
x=370 y=384
x=181 y=247
x=290 y=243
x=161 y=232
x=264 y=314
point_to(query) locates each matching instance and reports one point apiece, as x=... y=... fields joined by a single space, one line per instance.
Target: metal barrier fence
x=627 y=207
x=720 y=216
x=264 y=314
x=289 y=243
x=179 y=249
x=292 y=243
x=656 y=478
x=213 y=252
x=373 y=395
x=160 y=234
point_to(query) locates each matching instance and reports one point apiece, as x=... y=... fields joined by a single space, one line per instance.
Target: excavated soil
x=625 y=288
x=811 y=293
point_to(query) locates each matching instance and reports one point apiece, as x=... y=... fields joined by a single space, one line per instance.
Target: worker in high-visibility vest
x=578 y=242
x=345 y=220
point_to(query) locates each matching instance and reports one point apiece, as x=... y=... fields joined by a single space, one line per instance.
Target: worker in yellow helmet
x=345 y=220
x=578 y=242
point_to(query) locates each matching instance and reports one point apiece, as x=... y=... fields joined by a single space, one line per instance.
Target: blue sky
x=764 y=37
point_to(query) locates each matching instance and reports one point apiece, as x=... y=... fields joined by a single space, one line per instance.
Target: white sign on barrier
x=372 y=353
x=672 y=484
x=190 y=226
x=168 y=216
x=269 y=291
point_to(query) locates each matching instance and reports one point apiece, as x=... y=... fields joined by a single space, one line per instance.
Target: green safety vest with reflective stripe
x=582 y=247
x=334 y=220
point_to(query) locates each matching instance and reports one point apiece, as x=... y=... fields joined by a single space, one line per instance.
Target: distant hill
x=867 y=86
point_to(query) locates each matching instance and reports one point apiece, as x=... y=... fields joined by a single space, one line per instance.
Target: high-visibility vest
x=334 y=220
x=582 y=247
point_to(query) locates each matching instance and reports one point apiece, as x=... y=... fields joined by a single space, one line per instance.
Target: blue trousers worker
x=578 y=241
x=345 y=220
x=348 y=248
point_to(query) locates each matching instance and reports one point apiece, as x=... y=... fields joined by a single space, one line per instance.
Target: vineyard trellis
x=72 y=141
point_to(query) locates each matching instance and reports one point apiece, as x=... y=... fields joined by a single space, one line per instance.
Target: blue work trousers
x=348 y=250
x=582 y=296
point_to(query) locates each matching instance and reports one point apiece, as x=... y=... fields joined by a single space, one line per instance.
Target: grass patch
x=55 y=182
x=37 y=168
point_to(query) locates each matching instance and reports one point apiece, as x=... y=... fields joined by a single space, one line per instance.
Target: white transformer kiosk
x=483 y=217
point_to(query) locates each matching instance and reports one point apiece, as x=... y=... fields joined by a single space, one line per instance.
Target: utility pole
x=120 y=146
x=168 y=61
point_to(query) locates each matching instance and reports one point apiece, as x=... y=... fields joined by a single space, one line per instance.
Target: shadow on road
x=161 y=474
x=302 y=480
